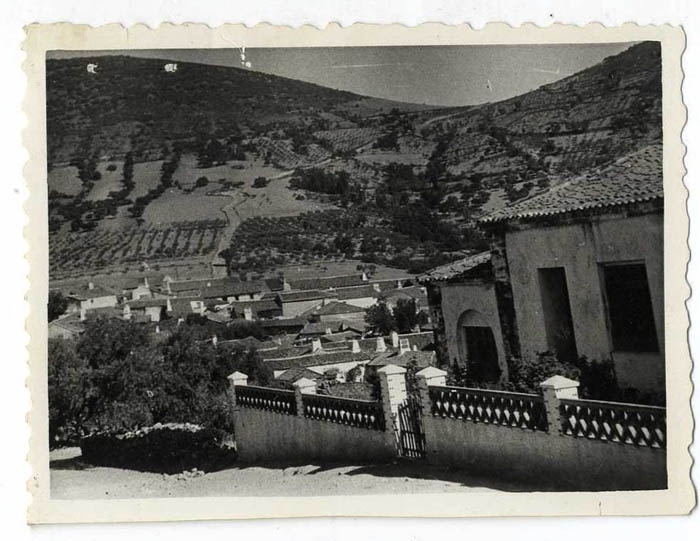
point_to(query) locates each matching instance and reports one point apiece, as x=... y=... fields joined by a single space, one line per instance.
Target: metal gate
x=410 y=434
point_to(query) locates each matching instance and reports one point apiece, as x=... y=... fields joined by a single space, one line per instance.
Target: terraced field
x=97 y=249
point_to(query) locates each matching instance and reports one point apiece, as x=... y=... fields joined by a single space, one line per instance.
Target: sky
x=435 y=75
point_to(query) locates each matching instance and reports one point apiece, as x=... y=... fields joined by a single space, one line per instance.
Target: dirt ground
x=73 y=479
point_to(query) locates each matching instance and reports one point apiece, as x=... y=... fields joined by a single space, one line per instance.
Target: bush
x=260 y=182
x=169 y=448
x=201 y=182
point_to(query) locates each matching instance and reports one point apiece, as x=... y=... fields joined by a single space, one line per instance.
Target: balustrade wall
x=554 y=443
x=273 y=425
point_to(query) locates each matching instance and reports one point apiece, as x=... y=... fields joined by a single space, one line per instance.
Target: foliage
x=406 y=315
x=380 y=319
x=201 y=182
x=318 y=180
x=114 y=378
x=57 y=304
x=170 y=448
x=260 y=182
x=597 y=378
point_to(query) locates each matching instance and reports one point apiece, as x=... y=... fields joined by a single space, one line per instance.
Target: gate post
x=392 y=381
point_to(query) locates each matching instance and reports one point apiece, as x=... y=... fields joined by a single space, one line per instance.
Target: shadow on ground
x=75 y=463
x=413 y=470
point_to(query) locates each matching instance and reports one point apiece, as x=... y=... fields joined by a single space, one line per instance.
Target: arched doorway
x=477 y=347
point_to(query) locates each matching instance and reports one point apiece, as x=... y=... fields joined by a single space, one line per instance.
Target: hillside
x=181 y=168
x=133 y=104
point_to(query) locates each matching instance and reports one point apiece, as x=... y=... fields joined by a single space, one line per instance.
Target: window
x=556 y=309
x=630 y=313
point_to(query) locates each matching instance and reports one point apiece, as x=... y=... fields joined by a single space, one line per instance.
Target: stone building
x=577 y=271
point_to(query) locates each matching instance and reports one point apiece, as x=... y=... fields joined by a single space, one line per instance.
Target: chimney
x=415 y=347
x=248 y=313
x=404 y=346
x=285 y=284
x=168 y=305
x=364 y=276
x=355 y=346
x=157 y=329
x=328 y=330
x=376 y=287
x=214 y=340
x=83 y=314
x=316 y=345
x=91 y=285
x=381 y=346
x=145 y=281
x=394 y=339
x=180 y=321
x=126 y=314
x=399 y=285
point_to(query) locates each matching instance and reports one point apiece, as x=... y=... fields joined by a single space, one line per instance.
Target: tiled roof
x=147 y=303
x=218 y=317
x=456 y=268
x=219 y=287
x=421 y=358
x=316 y=359
x=332 y=309
x=266 y=305
x=421 y=340
x=84 y=293
x=326 y=282
x=414 y=292
x=284 y=322
x=320 y=327
x=249 y=342
x=105 y=312
x=635 y=178
x=296 y=373
x=70 y=323
x=359 y=292
x=183 y=305
x=297 y=296
x=284 y=353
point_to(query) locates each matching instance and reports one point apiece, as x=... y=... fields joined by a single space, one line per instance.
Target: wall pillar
x=427 y=377
x=237 y=378
x=301 y=387
x=392 y=381
x=554 y=389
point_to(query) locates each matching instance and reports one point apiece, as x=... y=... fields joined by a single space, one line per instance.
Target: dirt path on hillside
x=72 y=479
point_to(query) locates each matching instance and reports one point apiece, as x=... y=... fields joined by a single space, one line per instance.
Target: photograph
x=377 y=270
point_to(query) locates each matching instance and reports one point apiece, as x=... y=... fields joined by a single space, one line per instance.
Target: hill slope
x=133 y=104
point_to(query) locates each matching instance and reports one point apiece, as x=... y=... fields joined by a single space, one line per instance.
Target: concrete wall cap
x=392 y=369
x=237 y=375
x=431 y=372
x=559 y=382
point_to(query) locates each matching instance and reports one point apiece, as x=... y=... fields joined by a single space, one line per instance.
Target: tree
x=201 y=182
x=67 y=391
x=57 y=304
x=380 y=319
x=406 y=315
